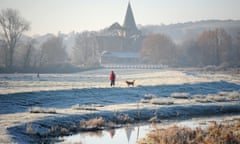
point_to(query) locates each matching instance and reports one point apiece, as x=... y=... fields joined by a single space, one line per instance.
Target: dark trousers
x=112 y=82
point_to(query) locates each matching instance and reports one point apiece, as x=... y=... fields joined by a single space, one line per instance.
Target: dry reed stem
x=224 y=133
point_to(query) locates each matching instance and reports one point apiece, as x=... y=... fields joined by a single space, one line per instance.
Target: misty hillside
x=183 y=39
x=189 y=30
x=177 y=32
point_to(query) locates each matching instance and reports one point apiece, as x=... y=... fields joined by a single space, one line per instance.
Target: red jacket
x=112 y=76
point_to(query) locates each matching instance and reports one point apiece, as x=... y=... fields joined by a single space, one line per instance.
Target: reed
x=227 y=132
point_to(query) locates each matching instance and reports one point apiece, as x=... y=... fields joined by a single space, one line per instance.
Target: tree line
x=211 y=47
x=28 y=55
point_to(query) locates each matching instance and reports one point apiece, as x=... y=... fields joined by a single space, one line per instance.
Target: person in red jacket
x=112 y=78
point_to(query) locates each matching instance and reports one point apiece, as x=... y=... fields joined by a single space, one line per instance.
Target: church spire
x=129 y=22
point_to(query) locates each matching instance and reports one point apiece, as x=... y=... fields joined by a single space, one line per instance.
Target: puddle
x=126 y=135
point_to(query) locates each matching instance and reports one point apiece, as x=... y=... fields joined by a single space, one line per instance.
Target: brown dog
x=129 y=83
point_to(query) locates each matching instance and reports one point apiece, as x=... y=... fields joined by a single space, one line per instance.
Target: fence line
x=117 y=66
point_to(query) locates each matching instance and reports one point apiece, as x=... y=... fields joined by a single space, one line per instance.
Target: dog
x=129 y=83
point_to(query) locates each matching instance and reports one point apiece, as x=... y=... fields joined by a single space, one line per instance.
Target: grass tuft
x=29 y=129
x=224 y=133
x=92 y=123
x=161 y=101
x=180 y=95
x=42 y=110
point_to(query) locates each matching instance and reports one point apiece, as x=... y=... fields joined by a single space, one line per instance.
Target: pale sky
x=52 y=16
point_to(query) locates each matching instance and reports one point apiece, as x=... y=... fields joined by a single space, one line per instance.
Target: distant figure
x=38 y=75
x=112 y=78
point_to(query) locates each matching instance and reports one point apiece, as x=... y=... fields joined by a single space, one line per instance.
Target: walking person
x=112 y=78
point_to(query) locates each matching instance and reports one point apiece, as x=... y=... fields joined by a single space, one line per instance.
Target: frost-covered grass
x=17 y=83
x=84 y=107
x=42 y=110
x=162 y=101
x=220 y=97
x=25 y=101
x=180 y=95
x=223 y=133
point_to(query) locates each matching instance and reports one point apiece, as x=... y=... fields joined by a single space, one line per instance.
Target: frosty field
x=31 y=107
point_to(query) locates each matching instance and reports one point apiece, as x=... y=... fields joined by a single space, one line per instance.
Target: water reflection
x=127 y=135
x=130 y=134
x=112 y=133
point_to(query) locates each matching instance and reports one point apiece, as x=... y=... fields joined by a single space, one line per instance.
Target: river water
x=130 y=134
x=126 y=135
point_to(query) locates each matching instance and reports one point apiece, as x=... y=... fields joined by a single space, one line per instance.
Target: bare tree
x=53 y=52
x=188 y=54
x=235 y=55
x=158 y=49
x=13 y=25
x=85 y=50
x=216 y=46
x=2 y=53
x=28 y=55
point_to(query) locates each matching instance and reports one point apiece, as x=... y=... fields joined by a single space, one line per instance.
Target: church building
x=121 y=44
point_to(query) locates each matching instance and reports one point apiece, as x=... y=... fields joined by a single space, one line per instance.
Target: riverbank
x=217 y=130
x=35 y=110
x=132 y=134
x=43 y=125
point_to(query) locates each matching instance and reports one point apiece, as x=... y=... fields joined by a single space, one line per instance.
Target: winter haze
x=80 y=15
x=174 y=60
x=66 y=36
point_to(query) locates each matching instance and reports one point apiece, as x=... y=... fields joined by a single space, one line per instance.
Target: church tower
x=121 y=44
x=129 y=24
